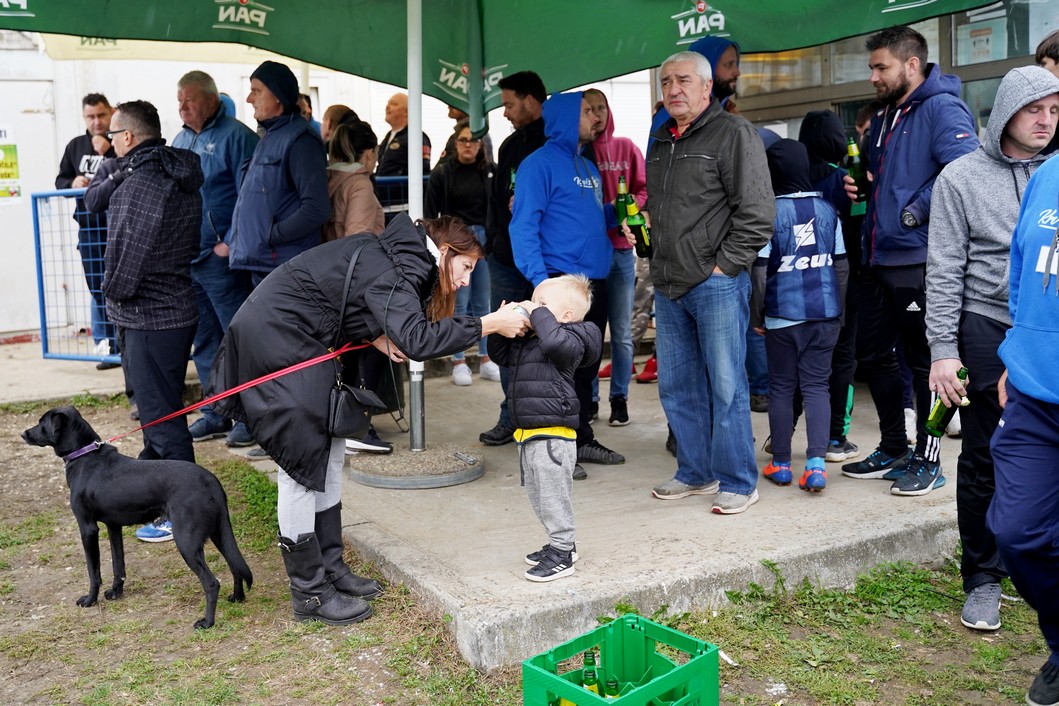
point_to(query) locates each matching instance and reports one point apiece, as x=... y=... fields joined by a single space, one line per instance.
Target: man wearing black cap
x=283 y=201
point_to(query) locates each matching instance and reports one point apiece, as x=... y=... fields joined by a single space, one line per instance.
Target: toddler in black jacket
x=545 y=410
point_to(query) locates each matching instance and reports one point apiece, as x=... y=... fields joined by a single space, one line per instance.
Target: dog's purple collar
x=94 y=446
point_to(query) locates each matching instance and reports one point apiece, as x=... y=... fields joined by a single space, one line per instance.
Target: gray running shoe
x=673 y=489
x=981 y=610
x=733 y=503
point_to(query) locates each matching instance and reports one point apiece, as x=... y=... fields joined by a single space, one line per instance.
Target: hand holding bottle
x=944 y=381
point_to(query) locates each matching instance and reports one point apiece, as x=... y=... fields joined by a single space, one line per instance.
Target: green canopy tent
x=458 y=50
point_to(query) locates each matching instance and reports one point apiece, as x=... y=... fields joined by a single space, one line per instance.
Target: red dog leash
x=246 y=386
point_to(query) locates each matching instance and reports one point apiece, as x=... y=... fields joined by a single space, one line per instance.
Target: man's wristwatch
x=908 y=219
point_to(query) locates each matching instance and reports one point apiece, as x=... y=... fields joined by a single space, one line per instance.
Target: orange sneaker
x=778 y=473
x=813 y=480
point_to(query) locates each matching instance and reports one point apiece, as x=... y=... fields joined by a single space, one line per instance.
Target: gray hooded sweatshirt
x=972 y=216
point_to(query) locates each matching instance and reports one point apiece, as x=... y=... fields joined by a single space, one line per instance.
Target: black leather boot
x=312 y=595
x=329 y=534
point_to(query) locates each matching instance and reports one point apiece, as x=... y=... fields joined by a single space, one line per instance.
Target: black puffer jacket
x=541 y=382
x=292 y=316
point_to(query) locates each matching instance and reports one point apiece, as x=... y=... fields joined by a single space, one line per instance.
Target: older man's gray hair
x=701 y=64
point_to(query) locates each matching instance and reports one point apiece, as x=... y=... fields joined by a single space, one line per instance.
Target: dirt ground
x=142 y=649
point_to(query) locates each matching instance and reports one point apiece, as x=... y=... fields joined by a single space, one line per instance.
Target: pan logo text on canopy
x=242 y=16
x=701 y=20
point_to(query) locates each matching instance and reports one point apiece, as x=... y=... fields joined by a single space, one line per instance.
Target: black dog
x=116 y=490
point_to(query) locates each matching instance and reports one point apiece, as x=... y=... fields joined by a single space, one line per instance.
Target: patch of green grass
x=252 y=503
x=87 y=400
x=6 y=587
x=32 y=529
x=896 y=632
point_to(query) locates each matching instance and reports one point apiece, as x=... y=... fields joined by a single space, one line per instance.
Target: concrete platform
x=461 y=548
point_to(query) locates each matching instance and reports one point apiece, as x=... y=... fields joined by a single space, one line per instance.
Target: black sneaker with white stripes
x=553 y=564
x=534 y=558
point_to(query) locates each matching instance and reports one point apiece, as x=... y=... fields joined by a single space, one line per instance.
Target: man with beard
x=922 y=127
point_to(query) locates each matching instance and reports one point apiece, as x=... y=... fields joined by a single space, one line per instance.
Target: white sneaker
x=461 y=374
x=955 y=429
x=103 y=347
x=490 y=371
x=910 y=425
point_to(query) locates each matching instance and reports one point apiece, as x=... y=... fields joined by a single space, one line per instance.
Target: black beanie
x=279 y=79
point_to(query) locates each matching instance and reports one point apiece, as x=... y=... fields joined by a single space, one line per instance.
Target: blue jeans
x=474 y=299
x=219 y=292
x=506 y=283
x=621 y=284
x=702 y=383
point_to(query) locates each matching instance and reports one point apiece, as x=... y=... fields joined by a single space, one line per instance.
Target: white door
x=28 y=117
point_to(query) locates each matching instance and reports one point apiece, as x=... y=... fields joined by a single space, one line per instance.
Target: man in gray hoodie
x=972 y=216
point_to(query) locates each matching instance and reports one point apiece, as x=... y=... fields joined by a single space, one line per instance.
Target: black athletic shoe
x=498 y=436
x=553 y=564
x=619 y=412
x=534 y=558
x=1045 y=688
x=579 y=474
x=671 y=444
x=595 y=452
x=879 y=464
x=920 y=477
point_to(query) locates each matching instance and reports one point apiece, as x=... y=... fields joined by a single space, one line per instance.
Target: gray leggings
x=297 y=506
x=547 y=471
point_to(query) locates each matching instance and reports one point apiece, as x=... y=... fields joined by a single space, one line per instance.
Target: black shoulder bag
x=350 y=407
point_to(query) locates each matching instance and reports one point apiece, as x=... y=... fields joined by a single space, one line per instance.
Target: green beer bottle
x=612 y=690
x=621 y=204
x=940 y=415
x=638 y=225
x=858 y=171
x=591 y=682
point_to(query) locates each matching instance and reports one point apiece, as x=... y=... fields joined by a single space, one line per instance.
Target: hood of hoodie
x=608 y=129
x=788 y=162
x=824 y=137
x=562 y=120
x=934 y=84
x=183 y=166
x=712 y=48
x=405 y=245
x=1019 y=88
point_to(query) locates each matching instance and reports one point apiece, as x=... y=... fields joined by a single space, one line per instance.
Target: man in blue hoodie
x=559 y=226
x=923 y=126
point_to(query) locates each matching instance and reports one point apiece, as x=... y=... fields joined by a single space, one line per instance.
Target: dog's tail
x=224 y=538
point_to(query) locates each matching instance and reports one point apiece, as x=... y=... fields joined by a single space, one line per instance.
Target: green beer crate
x=628 y=653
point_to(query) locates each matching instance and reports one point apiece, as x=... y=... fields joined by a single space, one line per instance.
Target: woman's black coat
x=292 y=316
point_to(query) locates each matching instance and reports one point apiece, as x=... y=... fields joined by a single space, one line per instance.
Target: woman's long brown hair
x=453 y=232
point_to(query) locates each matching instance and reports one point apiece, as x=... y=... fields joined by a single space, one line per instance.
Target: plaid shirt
x=154 y=220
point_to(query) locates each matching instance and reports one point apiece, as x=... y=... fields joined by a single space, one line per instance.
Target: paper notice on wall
x=10 y=184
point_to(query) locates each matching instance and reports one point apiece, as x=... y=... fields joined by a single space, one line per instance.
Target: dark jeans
x=156 y=364
x=219 y=292
x=799 y=357
x=979 y=338
x=892 y=309
x=757 y=368
x=92 y=246
x=584 y=375
x=506 y=283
